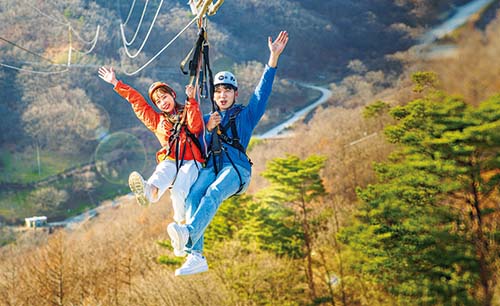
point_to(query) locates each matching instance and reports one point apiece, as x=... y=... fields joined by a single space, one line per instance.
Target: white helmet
x=226 y=78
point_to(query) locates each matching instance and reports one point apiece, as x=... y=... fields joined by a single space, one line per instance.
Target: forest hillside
x=62 y=123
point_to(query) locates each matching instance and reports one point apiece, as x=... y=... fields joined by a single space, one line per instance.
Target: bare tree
x=60 y=118
x=10 y=282
x=50 y=272
x=48 y=198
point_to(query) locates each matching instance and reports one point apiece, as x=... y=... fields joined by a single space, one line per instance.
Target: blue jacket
x=246 y=121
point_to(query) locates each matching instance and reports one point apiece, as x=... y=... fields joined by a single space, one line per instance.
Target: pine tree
x=425 y=224
x=258 y=224
x=230 y=218
x=298 y=183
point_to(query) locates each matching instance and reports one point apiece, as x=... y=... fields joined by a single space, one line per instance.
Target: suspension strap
x=208 y=91
x=179 y=161
x=196 y=53
x=201 y=61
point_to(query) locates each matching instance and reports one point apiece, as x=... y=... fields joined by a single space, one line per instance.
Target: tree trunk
x=308 y=244
x=482 y=244
x=327 y=272
x=339 y=252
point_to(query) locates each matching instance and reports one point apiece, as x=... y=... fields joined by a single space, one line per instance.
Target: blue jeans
x=205 y=197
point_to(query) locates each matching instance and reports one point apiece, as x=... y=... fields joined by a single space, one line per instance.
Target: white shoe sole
x=184 y=272
x=136 y=184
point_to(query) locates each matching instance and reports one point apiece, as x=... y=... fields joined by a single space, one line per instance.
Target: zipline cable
x=130 y=12
x=70 y=46
x=145 y=39
x=33 y=71
x=46 y=15
x=29 y=51
x=38 y=55
x=95 y=41
x=128 y=43
x=67 y=23
x=163 y=49
x=200 y=17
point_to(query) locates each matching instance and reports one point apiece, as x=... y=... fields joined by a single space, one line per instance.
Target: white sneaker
x=179 y=236
x=195 y=263
x=138 y=187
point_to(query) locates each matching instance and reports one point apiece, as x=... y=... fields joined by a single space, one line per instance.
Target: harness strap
x=237 y=172
x=178 y=162
x=208 y=70
x=235 y=140
x=221 y=136
x=215 y=152
x=198 y=145
x=216 y=145
x=194 y=62
x=175 y=140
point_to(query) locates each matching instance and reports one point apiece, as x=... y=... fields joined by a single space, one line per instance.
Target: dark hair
x=226 y=86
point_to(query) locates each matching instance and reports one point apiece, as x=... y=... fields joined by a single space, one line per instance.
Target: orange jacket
x=161 y=126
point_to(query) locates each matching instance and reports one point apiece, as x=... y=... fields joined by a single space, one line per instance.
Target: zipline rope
x=163 y=49
x=33 y=71
x=38 y=55
x=145 y=39
x=124 y=39
x=95 y=41
x=130 y=12
x=27 y=50
x=207 y=6
x=67 y=23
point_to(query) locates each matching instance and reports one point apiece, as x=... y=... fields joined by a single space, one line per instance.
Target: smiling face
x=224 y=96
x=164 y=100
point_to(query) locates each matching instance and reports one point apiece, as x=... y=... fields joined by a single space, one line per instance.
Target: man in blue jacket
x=228 y=169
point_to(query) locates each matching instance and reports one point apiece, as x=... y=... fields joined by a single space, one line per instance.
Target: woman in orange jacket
x=177 y=128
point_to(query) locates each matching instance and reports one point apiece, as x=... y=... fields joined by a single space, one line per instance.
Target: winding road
x=277 y=130
x=462 y=15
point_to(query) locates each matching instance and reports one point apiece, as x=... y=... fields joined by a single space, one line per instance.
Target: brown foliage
x=350 y=142
x=473 y=72
x=110 y=260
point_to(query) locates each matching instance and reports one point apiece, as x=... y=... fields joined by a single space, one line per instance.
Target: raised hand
x=108 y=75
x=190 y=91
x=279 y=44
x=276 y=47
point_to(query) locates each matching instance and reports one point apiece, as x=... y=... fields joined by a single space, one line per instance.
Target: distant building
x=35 y=222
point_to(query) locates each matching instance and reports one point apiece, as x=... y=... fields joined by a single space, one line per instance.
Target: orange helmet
x=157 y=85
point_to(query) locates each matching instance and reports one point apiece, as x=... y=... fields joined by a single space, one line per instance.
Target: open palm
x=277 y=46
x=108 y=75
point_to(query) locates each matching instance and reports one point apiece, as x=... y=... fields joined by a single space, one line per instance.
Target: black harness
x=200 y=63
x=175 y=143
x=220 y=138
